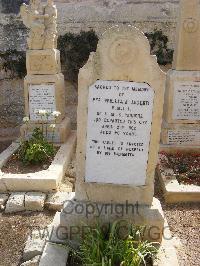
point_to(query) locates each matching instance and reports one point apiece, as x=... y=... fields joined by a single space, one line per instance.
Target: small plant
x=15 y=62
x=36 y=150
x=75 y=50
x=105 y=246
x=158 y=42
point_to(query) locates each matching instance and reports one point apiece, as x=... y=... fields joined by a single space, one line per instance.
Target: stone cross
x=187 y=50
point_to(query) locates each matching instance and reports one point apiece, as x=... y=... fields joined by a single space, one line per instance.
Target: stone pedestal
x=58 y=135
x=182 y=109
x=76 y=216
x=44 y=92
x=43 y=62
x=44 y=89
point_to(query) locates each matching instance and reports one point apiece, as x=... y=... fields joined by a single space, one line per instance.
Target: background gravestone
x=182 y=97
x=44 y=87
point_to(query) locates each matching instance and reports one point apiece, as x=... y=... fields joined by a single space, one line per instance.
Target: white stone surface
x=3 y=198
x=54 y=255
x=183 y=137
x=34 y=201
x=34 y=245
x=41 y=97
x=118 y=132
x=15 y=203
x=186 y=100
x=2 y=185
x=34 y=262
x=5 y=155
x=56 y=200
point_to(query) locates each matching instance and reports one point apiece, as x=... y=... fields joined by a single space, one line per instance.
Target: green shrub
x=158 y=42
x=75 y=50
x=108 y=247
x=36 y=150
x=15 y=62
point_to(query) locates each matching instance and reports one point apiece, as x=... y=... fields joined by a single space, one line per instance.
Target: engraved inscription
x=41 y=97
x=186 y=101
x=184 y=137
x=118 y=132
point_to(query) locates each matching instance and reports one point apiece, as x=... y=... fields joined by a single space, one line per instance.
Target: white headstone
x=186 y=100
x=118 y=132
x=41 y=97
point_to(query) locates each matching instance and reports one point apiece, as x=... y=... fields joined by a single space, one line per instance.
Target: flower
x=52 y=126
x=56 y=113
x=42 y=112
x=25 y=119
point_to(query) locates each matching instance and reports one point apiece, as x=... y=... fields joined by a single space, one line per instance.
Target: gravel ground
x=184 y=223
x=14 y=230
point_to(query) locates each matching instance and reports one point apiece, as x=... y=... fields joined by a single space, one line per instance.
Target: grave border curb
x=173 y=191
x=43 y=181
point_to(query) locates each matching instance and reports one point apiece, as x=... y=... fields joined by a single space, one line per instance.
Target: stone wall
x=74 y=16
x=77 y=15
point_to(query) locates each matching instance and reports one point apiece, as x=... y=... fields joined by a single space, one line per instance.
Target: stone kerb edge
x=173 y=191
x=46 y=180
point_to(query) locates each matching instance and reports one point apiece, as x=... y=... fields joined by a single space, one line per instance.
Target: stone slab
x=34 y=262
x=2 y=185
x=34 y=201
x=46 y=180
x=182 y=97
x=177 y=148
x=56 y=80
x=34 y=246
x=55 y=201
x=75 y=216
x=15 y=203
x=3 y=198
x=54 y=255
x=43 y=62
x=167 y=253
x=6 y=154
x=180 y=134
x=118 y=132
x=41 y=97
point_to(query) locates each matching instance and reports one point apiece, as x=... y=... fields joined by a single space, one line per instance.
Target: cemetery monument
x=44 y=84
x=181 y=121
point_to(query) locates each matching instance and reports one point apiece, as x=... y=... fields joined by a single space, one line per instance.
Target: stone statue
x=51 y=33
x=42 y=23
